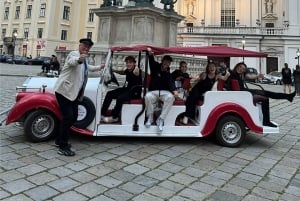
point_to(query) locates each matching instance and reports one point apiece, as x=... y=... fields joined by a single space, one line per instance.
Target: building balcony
x=217 y=30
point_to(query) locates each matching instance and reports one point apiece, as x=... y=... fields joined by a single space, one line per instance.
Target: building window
x=89 y=35
x=26 y=33
x=63 y=35
x=17 y=15
x=6 y=13
x=66 y=14
x=3 y=33
x=40 y=33
x=43 y=10
x=228 y=13
x=91 y=16
x=28 y=12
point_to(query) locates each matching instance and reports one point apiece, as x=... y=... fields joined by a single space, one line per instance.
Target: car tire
x=86 y=113
x=40 y=125
x=230 y=131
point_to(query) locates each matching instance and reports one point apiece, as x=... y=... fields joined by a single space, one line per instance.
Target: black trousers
x=191 y=101
x=69 y=111
x=121 y=95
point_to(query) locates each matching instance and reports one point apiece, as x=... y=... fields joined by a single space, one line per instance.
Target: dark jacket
x=160 y=80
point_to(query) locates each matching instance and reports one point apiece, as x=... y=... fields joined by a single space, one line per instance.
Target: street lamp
x=243 y=42
x=14 y=38
x=298 y=55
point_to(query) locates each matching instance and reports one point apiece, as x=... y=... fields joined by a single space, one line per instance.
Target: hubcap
x=231 y=132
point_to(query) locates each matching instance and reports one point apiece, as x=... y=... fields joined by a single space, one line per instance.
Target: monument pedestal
x=127 y=26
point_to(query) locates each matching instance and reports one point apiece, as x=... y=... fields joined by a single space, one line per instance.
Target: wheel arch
x=229 y=108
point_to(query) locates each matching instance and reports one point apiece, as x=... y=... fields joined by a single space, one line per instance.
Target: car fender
x=33 y=101
x=227 y=108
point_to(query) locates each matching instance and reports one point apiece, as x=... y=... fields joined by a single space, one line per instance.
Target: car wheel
x=40 y=125
x=278 y=82
x=230 y=131
x=86 y=113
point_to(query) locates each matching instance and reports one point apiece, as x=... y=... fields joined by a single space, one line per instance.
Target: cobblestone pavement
x=149 y=169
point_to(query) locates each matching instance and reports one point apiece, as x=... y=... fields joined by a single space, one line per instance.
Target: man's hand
x=136 y=71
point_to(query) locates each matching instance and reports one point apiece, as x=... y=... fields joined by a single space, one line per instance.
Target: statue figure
x=169 y=3
x=269 y=6
x=106 y=3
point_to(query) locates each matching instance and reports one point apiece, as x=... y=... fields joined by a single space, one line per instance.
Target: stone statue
x=169 y=3
x=106 y=3
x=269 y=6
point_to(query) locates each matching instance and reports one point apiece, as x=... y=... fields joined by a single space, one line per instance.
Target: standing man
x=69 y=91
x=162 y=88
x=286 y=78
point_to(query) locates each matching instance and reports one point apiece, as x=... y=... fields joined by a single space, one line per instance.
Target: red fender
x=226 y=108
x=33 y=101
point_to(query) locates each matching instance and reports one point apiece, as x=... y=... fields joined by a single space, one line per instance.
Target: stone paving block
x=288 y=197
x=9 y=156
x=122 y=175
x=115 y=164
x=192 y=194
x=147 y=197
x=182 y=178
x=5 y=149
x=180 y=198
x=64 y=184
x=31 y=169
x=276 y=187
x=225 y=196
x=234 y=189
x=145 y=181
x=171 y=153
x=3 y=194
x=19 y=197
x=184 y=162
x=274 y=179
x=173 y=186
x=159 y=158
x=41 y=178
x=160 y=192
x=82 y=177
x=191 y=156
x=238 y=161
x=133 y=188
x=249 y=177
x=32 y=159
x=158 y=174
x=220 y=175
x=254 y=197
x=136 y=169
x=99 y=170
x=41 y=193
x=70 y=196
x=90 y=161
x=17 y=186
x=213 y=181
x=101 y=198
x=118 y=194
x=118 y=150
x=194 y=172
x=169 y=167
x=126 y=159
x=90 y=189
x=290 y=162
x=293 y=190
x=76 y=166
x=108 y=181
x=12 y=164
x=203 y=187
x=256 y=170
x=61 y=171
x=206 y=164
x=151 y=164
x=265 y=193
x=52 y=163
x=138 y=154
x=105 y=156
x=11 y=175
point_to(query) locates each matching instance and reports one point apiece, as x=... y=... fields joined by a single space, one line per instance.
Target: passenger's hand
x=149 y=51
x=136 y=71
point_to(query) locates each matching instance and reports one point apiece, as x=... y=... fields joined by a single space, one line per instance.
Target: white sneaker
x=110 y=119
x=185 y=120
x=160 y=124
x=149 y=121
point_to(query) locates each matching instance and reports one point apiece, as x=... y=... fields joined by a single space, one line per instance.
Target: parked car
x=252 y=71
x=224 y=115
x=274 y=77
x=38 y=60
x=5 y=57
x=17 y=59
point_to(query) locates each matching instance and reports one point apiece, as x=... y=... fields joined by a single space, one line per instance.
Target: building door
x=272 y=64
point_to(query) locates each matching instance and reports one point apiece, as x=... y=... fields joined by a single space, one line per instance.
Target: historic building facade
x=40 y=27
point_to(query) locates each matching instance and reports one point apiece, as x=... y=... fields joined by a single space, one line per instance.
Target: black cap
x=86 y=41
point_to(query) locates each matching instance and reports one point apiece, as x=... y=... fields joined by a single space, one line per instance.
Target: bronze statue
x=169 y=3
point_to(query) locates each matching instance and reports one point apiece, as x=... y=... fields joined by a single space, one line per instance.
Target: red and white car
x=228 y=115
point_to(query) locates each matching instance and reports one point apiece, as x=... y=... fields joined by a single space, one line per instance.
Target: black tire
x=86 y=113
x=40 y=125
x=230 y=131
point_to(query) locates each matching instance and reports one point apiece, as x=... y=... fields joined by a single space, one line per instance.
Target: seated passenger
x=180 y=74
x=205 y=83
x=132 y=89
x=239 y=74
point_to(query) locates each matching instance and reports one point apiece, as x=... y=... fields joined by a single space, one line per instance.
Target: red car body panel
x=32 y=101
